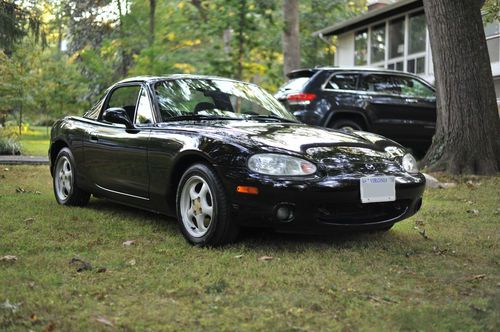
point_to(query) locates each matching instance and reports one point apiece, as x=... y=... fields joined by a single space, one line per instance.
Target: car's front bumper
x=320 y=205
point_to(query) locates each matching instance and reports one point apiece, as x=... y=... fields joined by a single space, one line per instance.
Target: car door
x=400 y=107
x=117 y=157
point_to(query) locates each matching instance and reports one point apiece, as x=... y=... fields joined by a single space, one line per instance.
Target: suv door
x=116 y=157
x=400 y=107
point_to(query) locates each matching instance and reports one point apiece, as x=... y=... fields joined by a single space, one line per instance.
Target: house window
x=361 y=48
x=494 y=49
x=416 y=66
x=396 y=38
x=416 y=42
x=378 y=43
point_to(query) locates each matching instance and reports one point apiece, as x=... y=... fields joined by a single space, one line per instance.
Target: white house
x=394 y=35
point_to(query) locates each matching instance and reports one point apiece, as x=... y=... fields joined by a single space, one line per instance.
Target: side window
x=144 y=111
x=125 y=97
x=342 y=82
x=396 y=85
x=380 y=84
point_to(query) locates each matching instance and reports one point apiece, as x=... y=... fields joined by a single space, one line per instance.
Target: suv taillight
x=300 y=98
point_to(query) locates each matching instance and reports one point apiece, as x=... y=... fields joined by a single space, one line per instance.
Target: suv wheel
x=346 y=125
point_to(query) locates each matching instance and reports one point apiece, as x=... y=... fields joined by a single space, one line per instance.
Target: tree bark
x=241 y=39
x=291 y=42
x=152 y=9
x=468 y=126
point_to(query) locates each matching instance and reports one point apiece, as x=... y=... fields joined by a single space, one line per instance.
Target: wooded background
x=59 y=55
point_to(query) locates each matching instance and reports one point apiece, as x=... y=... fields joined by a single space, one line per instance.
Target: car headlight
x=279 y=164
x=410 y=164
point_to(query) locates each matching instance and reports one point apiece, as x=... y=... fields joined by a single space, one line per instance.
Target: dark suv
x=394 y=104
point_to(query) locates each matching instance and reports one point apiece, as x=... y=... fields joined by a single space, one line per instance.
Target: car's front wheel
x=65 y=185
x=203 y=209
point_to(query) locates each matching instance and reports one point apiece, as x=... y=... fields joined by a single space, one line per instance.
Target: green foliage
x=491 y=11
x=9 y=145
x=108 y=40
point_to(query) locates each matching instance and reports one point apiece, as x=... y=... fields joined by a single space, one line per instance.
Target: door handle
x=94 y=137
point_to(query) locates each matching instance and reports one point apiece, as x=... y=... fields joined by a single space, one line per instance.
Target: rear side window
x=342 y=82
x=295 y=84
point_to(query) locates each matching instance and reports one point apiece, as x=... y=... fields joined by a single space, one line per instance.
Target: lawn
x=446 y=279
x=36 y=141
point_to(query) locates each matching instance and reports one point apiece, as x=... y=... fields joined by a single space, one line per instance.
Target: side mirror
x=117 y=115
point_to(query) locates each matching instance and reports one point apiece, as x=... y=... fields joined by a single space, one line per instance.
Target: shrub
x=9 y=146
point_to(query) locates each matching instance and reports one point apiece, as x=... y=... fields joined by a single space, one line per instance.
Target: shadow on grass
x=258 y=238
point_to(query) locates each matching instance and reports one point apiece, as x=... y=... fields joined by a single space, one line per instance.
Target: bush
x=45 y=122
x=9 y=146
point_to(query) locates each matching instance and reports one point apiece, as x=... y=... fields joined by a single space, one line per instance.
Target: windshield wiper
x=270 y=117
x=198 y=117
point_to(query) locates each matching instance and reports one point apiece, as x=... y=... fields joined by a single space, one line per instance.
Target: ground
x=446 y=278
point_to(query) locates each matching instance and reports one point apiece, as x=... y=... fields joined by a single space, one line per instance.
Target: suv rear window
x=295 y=84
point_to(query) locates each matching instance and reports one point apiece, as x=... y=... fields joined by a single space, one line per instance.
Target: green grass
x=36 y=141
x=382 y=282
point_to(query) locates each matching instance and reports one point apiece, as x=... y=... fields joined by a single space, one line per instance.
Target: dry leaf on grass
x=266 y=258
x=477 y=277
x=473 y=211
x=5 y=169
x=105 y=321
x=128 y=243
x=49 y=328
x=101 y=270
x=238 y=256
x=8 y=258
x=132 y=262
x=80 y=264
x=10 y=306
x=421 y=232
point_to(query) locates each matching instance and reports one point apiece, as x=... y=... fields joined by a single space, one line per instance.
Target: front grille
x=359 y=213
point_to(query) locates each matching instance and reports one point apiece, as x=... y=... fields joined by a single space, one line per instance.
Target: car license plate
x=377 y=189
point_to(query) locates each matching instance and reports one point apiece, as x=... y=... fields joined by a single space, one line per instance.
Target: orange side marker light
x=247 y=190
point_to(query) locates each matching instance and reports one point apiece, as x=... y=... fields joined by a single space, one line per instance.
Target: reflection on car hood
x=293 y=137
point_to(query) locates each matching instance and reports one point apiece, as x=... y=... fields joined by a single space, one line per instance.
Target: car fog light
x=284 y=213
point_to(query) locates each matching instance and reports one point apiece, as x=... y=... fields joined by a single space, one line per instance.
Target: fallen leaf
x=238 y=256
x=472 y=185
x=128 y=243
x=31 y=284
x=421 y=232
x=476 y=308
x=473 y=211
x=33 y=317
x=419 y=222
x=8 y=258
x=6 y=169
x=266 y=258
x=10 y=306
x=101 y=270
x=37 y=192
x=477 y=277
x=80 y=264
x=131 y=262
x=49 y=328
x=447 y=185
x=20 y=190
x=104 y=320
x=469 y=202
x=30 y=220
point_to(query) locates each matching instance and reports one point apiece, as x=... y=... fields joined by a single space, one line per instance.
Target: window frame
x=141 y=85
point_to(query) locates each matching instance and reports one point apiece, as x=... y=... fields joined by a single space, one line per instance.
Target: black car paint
x=141 y=167
x=409 y=121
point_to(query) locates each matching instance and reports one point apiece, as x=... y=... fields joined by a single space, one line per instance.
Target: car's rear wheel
x=65 y=184
x=346 y=125
x=203 y=209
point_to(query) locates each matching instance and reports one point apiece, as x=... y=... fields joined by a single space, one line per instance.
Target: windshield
x=216 y=98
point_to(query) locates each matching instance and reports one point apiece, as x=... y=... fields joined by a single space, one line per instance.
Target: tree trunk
x=241 y=38
x=152 y=9
x=467 y=129
x=123 y=55
x=291 y=42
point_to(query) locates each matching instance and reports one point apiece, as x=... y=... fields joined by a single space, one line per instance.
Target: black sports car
x=220 y=154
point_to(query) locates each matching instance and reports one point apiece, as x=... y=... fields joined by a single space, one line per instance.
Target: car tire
x=203 y=208
x=65 y=183
x=346 y=125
